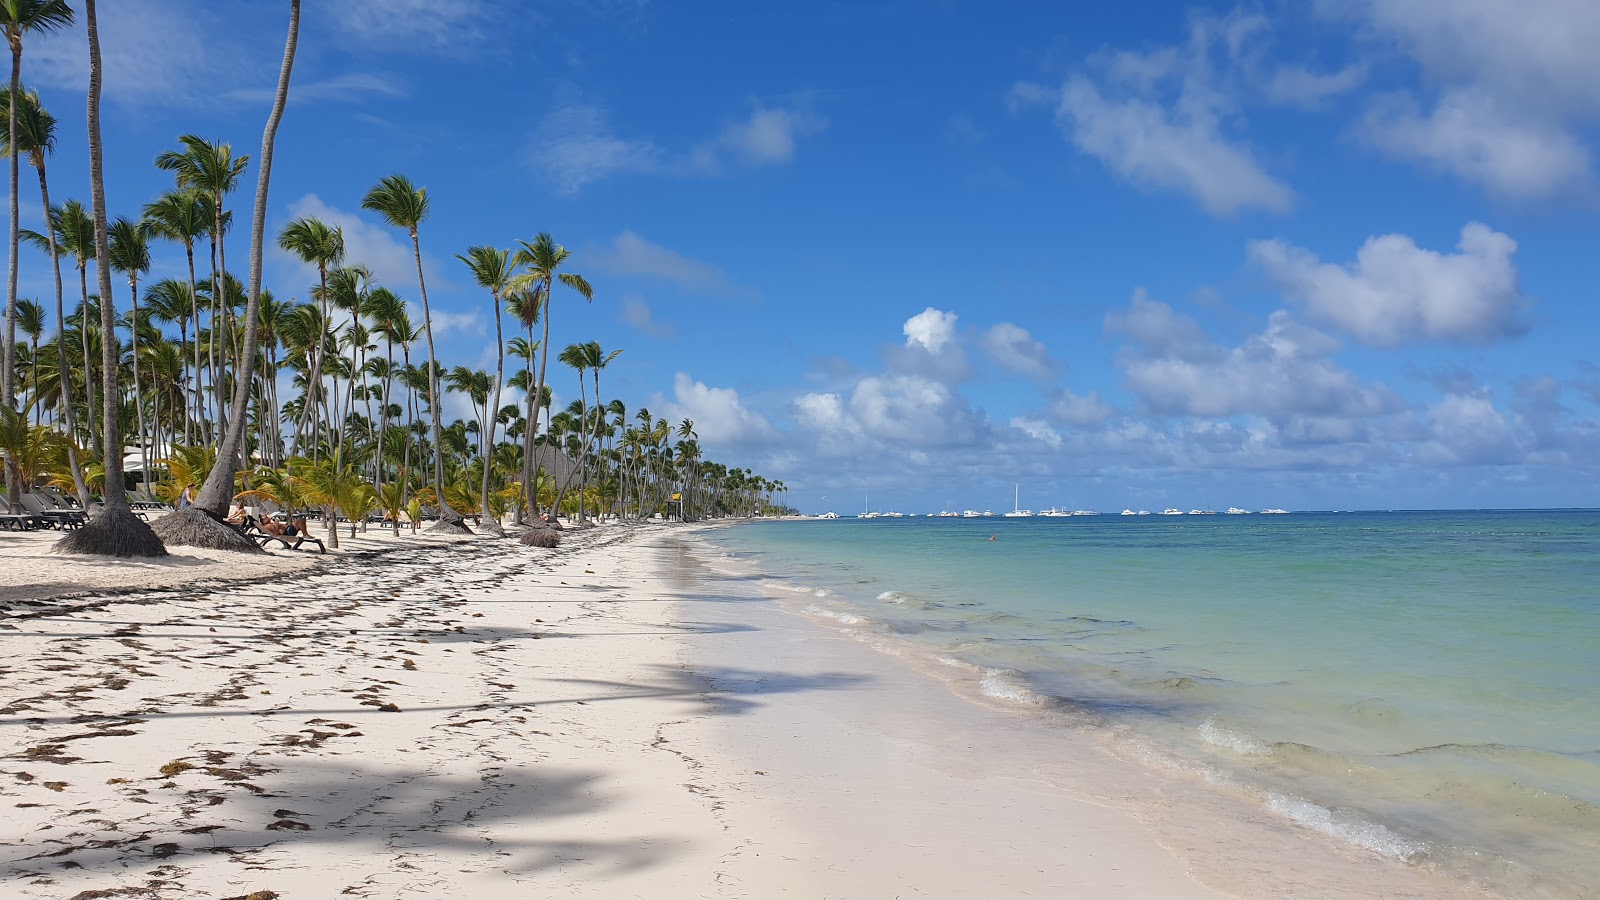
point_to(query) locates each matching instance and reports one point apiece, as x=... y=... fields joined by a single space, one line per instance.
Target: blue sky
x=1324 y=255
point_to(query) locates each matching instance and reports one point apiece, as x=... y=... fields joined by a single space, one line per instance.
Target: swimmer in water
x=991 y=537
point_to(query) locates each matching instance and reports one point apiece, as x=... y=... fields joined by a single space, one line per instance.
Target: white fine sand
x=474 y=718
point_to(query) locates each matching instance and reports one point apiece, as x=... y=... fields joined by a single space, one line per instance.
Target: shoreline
x=1226 y=843
x=608 y=719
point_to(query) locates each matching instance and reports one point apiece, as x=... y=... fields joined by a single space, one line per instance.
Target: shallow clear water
x=1424 y=684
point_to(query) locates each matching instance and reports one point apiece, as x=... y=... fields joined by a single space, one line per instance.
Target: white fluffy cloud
x=575 y=145
x=1170 y=148
x=1014 y=349
x=1513 y=85
x=892 y=409
x=720 y=416
x=932 y=329
x=1080 y=410
x=1396 y=292
x=1039 y=430
x=1467 y=429
x=1283 y=371
x=768 y=138
x=1472 y=135
x=1164 y=119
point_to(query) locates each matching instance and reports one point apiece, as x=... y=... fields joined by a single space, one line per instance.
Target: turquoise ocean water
x=1423 y=684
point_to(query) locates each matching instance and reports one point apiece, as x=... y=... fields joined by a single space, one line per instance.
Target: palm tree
x=20 y=18
x=34 y=134
x=543 y=259
x=130 y=254
x=405 y=206
x=524 y=306
x=115 y=531
x=71 y=230
x=218 y=488
x=596 y=359
x=491 y=268
x=314 y=242
x=210 y=170
x=181 y=216
x=30 y=319
x=273 y=315
x=388 y=314
x=346 y=290
x=170 y=301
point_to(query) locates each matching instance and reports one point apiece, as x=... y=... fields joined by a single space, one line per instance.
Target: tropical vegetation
x=334 y=403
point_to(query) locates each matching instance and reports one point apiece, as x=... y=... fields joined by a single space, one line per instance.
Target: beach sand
x=470 y=717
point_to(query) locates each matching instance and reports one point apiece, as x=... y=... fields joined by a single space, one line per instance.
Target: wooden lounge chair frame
x=289 y=543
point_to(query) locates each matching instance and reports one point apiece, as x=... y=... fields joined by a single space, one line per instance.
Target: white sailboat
x=1017 y=512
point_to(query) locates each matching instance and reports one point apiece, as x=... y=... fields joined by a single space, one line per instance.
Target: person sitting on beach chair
x=237 y=514
x=290 y=534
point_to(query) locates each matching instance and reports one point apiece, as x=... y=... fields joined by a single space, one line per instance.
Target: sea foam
x=1360 y=832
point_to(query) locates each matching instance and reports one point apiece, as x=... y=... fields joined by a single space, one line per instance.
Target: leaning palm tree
x=204 y=524
x=405 y=206
x=491 y=268
x=115 y=531
x=20 y=18
x=543 y=260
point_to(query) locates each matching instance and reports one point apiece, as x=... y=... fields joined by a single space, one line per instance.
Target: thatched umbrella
x=195 y=527
x=114 y=531
x=540 y=537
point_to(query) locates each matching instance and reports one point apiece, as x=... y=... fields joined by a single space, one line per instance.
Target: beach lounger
x=62 y=519
x=20 y=521
x=289 y=543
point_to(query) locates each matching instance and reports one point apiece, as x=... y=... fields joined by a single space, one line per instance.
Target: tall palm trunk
x=530 y=425
x=383 y=416
x=447 y=516
x=88 y=364
x=544 y=357
x=7 y=375
x=217 y=417
x=138 y=389
x=218 y=488
x=411 y=402
x=63 y=377
x=486 y=517
x=194 y=379
x=316 y=365
x=114 y=531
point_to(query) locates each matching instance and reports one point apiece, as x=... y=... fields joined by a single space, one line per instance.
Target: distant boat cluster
x=1017 y=512
x=1051 y=513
